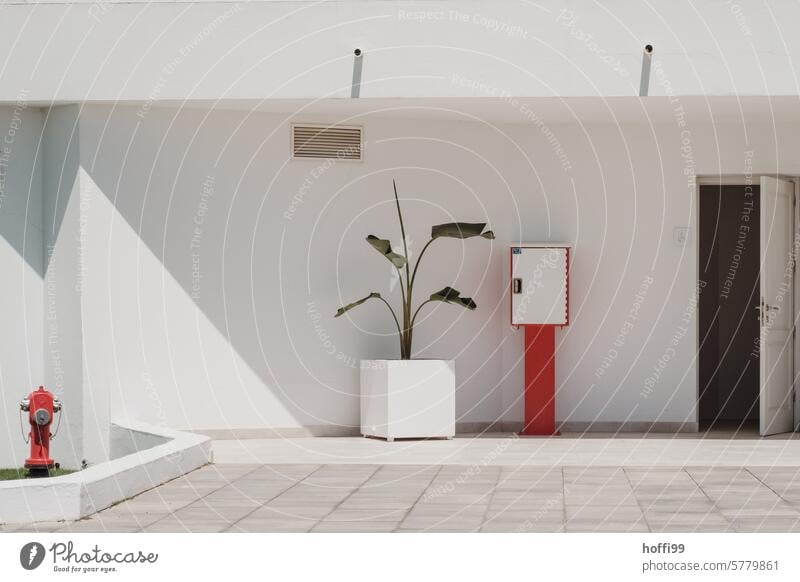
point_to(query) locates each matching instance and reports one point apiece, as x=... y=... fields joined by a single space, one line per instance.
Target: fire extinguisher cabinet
x=540 y=304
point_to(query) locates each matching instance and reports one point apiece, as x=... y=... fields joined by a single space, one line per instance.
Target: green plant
x=458 y=230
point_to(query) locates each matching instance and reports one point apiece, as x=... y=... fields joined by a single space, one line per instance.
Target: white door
x=777 y=306
x=538 y=285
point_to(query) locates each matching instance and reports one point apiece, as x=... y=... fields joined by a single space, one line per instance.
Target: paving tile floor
x=457 y=498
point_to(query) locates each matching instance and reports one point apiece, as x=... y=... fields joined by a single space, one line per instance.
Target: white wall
x=197 y=267
x=238 y=332
x=21 y=266
x=175 y=266
x=146 y=51
x=65 y=248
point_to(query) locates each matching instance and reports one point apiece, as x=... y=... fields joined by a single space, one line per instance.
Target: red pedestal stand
x=540 y=303
x=540 y=380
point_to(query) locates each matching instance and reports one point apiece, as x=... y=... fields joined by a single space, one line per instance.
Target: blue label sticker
x=516 y=251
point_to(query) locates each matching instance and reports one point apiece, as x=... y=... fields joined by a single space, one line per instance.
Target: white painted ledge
x=150 y=457
x=666 y=451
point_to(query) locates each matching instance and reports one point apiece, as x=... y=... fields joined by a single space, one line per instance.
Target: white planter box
x=408 y=398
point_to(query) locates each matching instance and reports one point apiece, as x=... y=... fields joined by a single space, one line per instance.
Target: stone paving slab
x=456 y=498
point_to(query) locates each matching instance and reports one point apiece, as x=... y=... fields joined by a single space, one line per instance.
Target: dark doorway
x=728 y=305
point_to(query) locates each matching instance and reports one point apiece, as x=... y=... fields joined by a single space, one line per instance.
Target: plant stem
x=407 y=331
x=405 y=316
x=397 y=323
x=411 y=290
x=418 y=308
x=419 y=258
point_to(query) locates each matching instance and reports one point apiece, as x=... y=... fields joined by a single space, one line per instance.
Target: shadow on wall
x=22 y=270
x=21 y=183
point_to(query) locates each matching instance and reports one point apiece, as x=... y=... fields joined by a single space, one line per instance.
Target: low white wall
x=128 y=440
x=77 y=495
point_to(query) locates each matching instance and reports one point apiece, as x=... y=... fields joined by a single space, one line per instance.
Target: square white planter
x=408 y=398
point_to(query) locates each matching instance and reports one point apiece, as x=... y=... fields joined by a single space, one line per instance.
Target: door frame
x=745 y=180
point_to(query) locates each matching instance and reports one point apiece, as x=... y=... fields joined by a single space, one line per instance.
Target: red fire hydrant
x=40 y=405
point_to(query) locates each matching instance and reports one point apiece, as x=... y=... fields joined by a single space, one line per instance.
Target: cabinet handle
x=516 y=285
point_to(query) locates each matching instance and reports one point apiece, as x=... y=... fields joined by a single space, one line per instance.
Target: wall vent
x=331 y=141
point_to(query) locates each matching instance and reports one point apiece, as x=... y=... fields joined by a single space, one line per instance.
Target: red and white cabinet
x=539 y=303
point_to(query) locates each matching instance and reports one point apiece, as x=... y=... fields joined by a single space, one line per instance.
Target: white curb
x=152 y=456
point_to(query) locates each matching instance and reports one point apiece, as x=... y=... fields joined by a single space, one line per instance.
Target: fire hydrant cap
x=42 y=417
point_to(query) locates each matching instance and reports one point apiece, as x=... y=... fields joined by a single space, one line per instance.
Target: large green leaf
x=346 y=308
x=384 y=247
x=461 y=230
x=450 y=295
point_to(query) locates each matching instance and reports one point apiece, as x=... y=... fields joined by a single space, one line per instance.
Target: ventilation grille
x=317 y=141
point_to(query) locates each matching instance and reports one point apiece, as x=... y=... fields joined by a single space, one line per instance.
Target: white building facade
x=166 y=259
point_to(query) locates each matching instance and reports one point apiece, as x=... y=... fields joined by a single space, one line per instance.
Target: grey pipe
x=358 y=63
x=644 y=84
